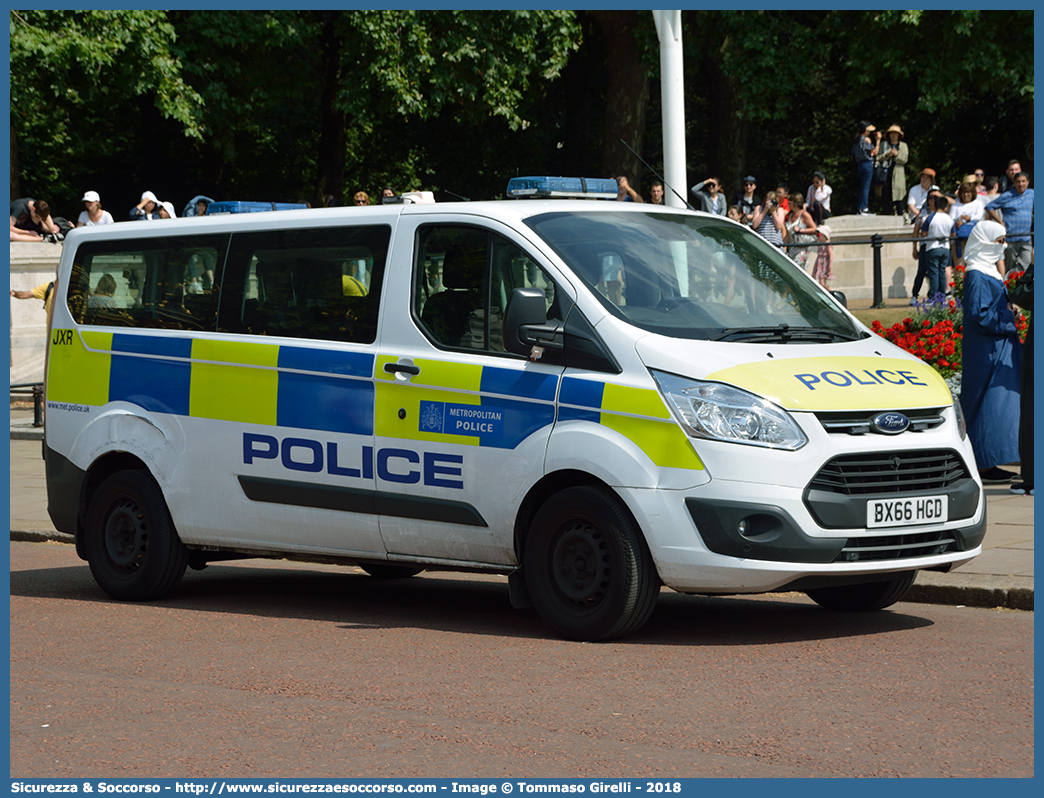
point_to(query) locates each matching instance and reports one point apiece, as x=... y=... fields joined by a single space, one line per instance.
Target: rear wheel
x=866 y=597
x=133 y=550
x=386 y=571
x=588 y=569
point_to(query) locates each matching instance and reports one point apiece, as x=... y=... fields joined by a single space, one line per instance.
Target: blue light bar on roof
x=572 y=187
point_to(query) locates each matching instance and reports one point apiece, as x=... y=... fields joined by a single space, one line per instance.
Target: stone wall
x=31 y=265
x=854 y=262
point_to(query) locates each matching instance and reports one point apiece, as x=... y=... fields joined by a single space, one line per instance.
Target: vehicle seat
x=446 y=313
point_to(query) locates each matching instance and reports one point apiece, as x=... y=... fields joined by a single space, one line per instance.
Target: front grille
x=854 y=423
x=891 y=472
x=897 y=547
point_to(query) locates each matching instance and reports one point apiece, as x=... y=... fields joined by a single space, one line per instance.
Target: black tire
x=379 y=570
x=866 y=597
x=587 y=566
x=134 y=551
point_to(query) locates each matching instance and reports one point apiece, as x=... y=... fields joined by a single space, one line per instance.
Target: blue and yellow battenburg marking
x=639 y=414
x=286 y=386
x=845 y=383
x=464 y=403
x=350 y=392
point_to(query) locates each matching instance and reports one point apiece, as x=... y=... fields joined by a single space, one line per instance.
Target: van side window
x=322 y=283
x=168 y=283
x=463 y=279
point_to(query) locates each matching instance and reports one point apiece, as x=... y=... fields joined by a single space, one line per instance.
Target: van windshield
x=689 y=276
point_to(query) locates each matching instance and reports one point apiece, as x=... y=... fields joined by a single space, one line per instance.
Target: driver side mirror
x=840 y=297
x=526 y=325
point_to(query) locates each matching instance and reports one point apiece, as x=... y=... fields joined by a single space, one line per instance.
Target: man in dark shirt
x=747 y=200
x=31 y=220
x=1007 y=180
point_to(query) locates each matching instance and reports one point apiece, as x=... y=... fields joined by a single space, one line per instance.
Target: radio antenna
x=640 y=158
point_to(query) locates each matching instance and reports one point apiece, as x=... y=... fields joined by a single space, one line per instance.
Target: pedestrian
x=817 y=198
x=864 y=150
x=711 y=200
x=146 y=209
x=31 y=221
x=966 y=213
x=980 y=177
x=93 y=213
x=991 y=184
x=1007 y=180
x=936 y=232
x=799 y=228
x=44 y=292
x=361 y=198
x=1017 y=207
x=626 y=193
x=769 y=220
x=197 y=206
x=990 y=355
x=823 y=268
x=656 y=192
x=915 y=202
x=747 y=200
x=1022 y=295
x=894 y=154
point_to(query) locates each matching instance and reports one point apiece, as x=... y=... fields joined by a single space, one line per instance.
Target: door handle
x=401 y=368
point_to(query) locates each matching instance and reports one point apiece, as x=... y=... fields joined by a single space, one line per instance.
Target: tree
x=468 y=68
x=76 y=81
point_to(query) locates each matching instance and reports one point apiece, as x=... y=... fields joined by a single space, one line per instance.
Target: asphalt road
x=288 y=670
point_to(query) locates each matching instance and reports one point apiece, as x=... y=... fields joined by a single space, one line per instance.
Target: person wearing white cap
x=166 y=210
x=93 y=214
x=148 y=208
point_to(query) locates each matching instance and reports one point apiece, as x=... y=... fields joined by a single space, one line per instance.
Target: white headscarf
x=981 y=253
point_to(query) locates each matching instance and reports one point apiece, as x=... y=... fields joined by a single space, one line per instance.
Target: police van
x=592 y=398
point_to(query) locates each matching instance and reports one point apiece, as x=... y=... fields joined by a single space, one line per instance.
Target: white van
x=593 y=398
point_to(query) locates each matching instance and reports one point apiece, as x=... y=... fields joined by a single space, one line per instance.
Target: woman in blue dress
x=991 y=355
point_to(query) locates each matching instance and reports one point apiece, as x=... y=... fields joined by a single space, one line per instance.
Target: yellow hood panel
x=841 y=383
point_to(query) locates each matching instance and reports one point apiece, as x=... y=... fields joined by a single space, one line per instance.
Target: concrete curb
x=41 y=536
x=969 y=590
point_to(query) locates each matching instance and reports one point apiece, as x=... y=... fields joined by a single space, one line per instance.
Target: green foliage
x=235 y=104
x=75 y=80
x=960 y=83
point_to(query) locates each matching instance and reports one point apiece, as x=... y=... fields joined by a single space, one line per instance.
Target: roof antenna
x=640 y=158
x=454 y=194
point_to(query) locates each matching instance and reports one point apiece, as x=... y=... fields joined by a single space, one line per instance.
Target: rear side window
x=169 y=282
x=316 y=283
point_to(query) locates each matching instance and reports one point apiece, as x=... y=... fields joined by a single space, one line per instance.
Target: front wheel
x=133 y=550
x=866 y=597
x=587 y=566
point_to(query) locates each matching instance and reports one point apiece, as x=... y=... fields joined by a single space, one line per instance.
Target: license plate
x=906 y=512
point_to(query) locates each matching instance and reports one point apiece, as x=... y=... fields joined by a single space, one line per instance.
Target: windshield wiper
x=783 y=333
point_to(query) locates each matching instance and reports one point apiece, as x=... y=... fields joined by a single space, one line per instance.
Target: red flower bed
x=936 y=343
x=934 y=333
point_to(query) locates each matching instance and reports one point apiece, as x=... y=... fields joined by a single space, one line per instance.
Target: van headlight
x=962 y=426
x=723 y=413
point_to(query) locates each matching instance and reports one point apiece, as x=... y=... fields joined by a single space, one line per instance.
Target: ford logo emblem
x=890 y=423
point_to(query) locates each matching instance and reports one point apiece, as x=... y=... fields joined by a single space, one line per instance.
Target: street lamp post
x=672 y=89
